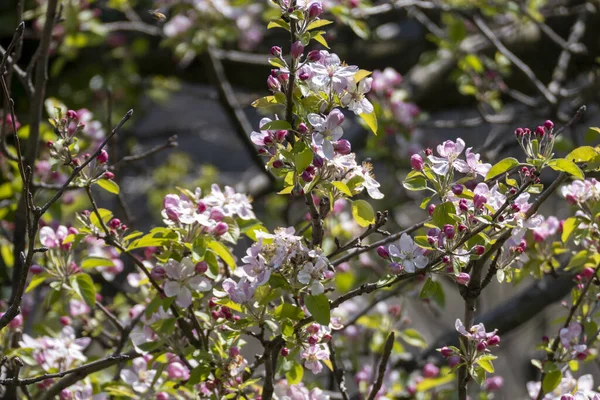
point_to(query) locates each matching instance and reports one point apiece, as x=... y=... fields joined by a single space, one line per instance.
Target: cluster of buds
x=65 y=127
x=277 y=79
x=539 y=143
x=221 y=312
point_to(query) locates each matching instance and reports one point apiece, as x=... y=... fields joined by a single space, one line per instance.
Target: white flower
x=329 y=73
x=449 y=152
x=369 y=181
x=140 y=378
x=256 y=266
x=52 y=239
x=409 y=255
x=355 y=99
x=312 y=357
x=182 y=280
x=493 y=197
x=472 y=165
x=240 y=292
x=327 y=130
x=312 y=273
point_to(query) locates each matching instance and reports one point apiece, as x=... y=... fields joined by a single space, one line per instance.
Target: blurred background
x=475 y=69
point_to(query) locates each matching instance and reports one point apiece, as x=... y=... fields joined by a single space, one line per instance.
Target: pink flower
x=493 y=383
x=312 y=357
x=386 y=79
x=52 y=239
x=176 y=370
x=570 y=335
x=327 y=130
x=139 y=377
x=472 y=165
x=449 y=152
x=182 y=280
x=547 y=228
x=240 y=292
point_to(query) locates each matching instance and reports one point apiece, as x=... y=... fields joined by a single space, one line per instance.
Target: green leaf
x=486 y=364
x=442 y=214
x=303 y=159
x=413 y=338
x=318 y=36
x=276 y=125
x=91 y=262
x=430 y=383
x=567 y=166
x=501 y=167
x=36 y=281
x=361 y=74
x=106 y=215
x=295 y=374
x=583 y=154
x=199 y=374
x=342 y=187
x=286 y=310
x=360 y=28
x=551 y=381
x=415 y=183
x=84 y=287
x=318 y=24
x=318 y=306
x=223 y=252
x=108 y=185
x=577 y=260
x=474 y=62
x=370 y=120
x=279 y=23
x=363 y=213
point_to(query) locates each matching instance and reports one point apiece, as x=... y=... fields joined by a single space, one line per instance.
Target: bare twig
x=169 y=144
x=387 y=350
x=380 y=220
x=516 y=61
x=338 y=372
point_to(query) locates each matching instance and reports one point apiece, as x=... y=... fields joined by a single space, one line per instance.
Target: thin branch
x=387 y=350
x=338 y=372
x=81 y=371
x=568 y=46
x=112 y=318
x=232 y=107
x=517 y=62
x=170 y=143
x=380 y=220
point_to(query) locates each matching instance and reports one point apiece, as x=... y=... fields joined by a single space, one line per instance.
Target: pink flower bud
x=494 y=341
x=318 y=161
x=396 y=268
x=457 y=189
x=216 y=214
x=72 y=114
x=463 y=278
x=416 y=162
x=494 y=383
x=302 y=128
x=280 y=135
x=548 y=124
x=519 y=132
x=162 y=396
x=303 y=76
x=383 y=252
x=462 y=227
x=479 y=201
x=430 y=209
x=114 y=223
x=454 y=360
x=158 y=273
x=234 y=351
x=16 y=322
x=314 y=10
x=201 y=267
x=336 y=117
x=430 y=370
x=449 y=231
x=446 y=351
x=328 y=274
x=539 y=131
x=273 y=84
x=462 y=205
x=297 y=49
x=64 y=320
x=109 y=175
x=212 y=303
x=276 y=51
x=587 y=272
x=172 y=214
x=481 y=346
x=277 y=164
x=428 y=152
x=581 y=356
x=342 y=147
x=220 y=229
x=201 y=207
x=314 y=55
x=285 y=351
x=313 y=340
x=479 y=250
x=567 y=396
x=306 y=176
x=36 y=269
x=102 y=157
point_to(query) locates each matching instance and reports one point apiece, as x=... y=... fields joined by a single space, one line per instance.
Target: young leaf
x=442 y=214
x=551 y=381
x=318 y=306
x=370 y=120
x=290 y=311
x=108 y=185
x=222 y=252
x=342 y=187
x=501 y=167
x=91 y=262
x=318 y=24
x=295 y=374
x=568 y=166
x=363 y=213
x=276 y=125
x=583 y=154
x=84 y=287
